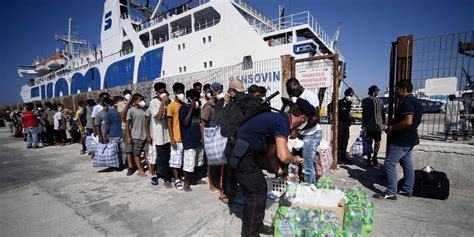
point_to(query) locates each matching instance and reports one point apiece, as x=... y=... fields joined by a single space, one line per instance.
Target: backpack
x=238 y=111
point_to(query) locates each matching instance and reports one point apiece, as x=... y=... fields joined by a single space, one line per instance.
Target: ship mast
x=68 y=40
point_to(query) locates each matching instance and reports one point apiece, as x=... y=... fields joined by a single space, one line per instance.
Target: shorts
x=193 y=157
x=136 y=147
x=176 y=156
x=377 y=136
x=151 y=154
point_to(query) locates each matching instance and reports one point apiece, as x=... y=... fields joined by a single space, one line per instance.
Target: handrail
x=302 y=18
x=149 y=23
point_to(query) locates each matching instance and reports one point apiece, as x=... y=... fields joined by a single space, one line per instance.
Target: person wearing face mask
x=97 y=108
x=345 y=121
x=172 y=113
x=59 y=125
x=207 y=120
x=158 y=135
x=113 y=130
x=99 y=121
x=264 y=137
x=48 y=118
x=311 y=133
x=189 y=120
x=135 y=134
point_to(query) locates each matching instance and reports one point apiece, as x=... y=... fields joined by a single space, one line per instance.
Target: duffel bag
x=214 y=146
x=91 y=144
x=434 y=184
x=106 y=155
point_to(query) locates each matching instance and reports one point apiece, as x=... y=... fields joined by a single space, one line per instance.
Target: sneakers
x=168 y=185
x=154 y=180
x=406 y=194
x=178 y=185
x=266 y=230
x=385 y=196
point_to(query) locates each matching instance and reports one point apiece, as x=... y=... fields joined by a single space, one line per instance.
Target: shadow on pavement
x=367 y=175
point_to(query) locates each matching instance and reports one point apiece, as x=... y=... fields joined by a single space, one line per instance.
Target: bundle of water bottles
x=359 y=214
x=303 y=222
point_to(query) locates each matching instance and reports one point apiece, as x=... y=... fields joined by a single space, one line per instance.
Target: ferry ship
x=142 y=43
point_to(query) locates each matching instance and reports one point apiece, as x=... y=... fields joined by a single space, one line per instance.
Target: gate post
x=335 y=110
x=287 y=71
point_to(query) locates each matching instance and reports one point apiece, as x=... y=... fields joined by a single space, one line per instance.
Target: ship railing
x=256 y=13
x=188 y=6
x=200 y=25
x=181 y=32
x=298 y=19
x=159 y=40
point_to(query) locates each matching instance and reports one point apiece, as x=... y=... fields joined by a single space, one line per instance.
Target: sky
x=368 y=28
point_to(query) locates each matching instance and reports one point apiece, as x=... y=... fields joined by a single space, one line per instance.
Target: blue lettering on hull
x=43 y=92
x=34 y=92
x=80 y=84
x=61 y=85
x=150 y=65
x=119 y=73
x=49 y=90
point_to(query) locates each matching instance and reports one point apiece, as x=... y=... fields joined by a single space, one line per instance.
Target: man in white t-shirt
x=454 y=108
x=158 y=135
x=98 y=108
x=312 y=132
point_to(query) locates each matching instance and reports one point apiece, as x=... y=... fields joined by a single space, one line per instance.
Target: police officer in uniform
x=264 y=138
x=345 y=121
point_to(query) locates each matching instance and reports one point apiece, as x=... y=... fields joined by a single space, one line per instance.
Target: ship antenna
x=335 y=38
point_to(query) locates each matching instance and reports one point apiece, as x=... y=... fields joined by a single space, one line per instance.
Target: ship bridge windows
x=247 y=62
x=280 y=39
x=181 y=27
x=160 y=34
x=127 y=47
x=206 y=18
x=145 y=38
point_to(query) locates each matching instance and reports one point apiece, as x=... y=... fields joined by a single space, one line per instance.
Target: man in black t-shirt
x=403 y=137
x=264 y=137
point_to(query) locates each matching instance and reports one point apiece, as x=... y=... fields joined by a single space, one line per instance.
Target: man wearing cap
x=264 y=136
x=373 y=121
x=345 y=121
x=235 y=87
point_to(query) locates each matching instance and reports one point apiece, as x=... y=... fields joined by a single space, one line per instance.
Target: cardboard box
x=339 y=210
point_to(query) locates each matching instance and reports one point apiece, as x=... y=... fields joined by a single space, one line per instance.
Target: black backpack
x=238 y=111
x=434 y=184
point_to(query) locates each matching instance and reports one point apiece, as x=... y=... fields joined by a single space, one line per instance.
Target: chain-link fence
x=442 y=78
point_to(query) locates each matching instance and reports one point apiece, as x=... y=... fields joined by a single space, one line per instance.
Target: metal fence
x=266 y=73
x=443 y=66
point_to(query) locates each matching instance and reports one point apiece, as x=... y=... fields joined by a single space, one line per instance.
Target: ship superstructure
x=141 y=43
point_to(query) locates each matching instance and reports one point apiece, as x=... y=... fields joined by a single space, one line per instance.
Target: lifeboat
x=56 y=61
x=41 y=68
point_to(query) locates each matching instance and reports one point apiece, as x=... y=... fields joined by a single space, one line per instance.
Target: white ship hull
x=220 y=33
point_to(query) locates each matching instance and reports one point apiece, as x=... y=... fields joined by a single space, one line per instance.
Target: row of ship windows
x=183 y=45
x=183 y=69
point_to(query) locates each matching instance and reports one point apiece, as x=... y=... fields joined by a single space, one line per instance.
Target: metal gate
x=307 y=71
x=439 y=67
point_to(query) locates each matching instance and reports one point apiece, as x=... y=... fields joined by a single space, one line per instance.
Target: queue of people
x=164 y=137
